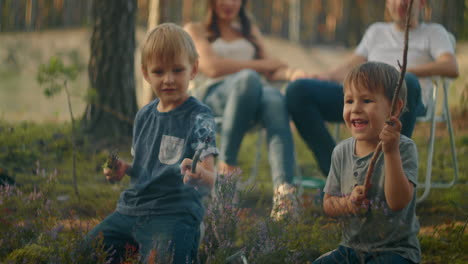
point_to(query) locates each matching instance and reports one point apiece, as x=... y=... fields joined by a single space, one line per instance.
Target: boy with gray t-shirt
x=379 y=224
x=161 y=211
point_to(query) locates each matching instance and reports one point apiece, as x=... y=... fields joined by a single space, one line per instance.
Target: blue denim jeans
x=169 y=238
x=243 y=100
x=312 y=102
x=348 y=255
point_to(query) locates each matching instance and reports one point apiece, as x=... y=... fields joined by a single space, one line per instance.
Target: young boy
x=382 y=227
x=160 y=213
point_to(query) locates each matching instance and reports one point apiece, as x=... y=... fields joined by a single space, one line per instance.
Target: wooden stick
x=378 y=149
x=198 y=152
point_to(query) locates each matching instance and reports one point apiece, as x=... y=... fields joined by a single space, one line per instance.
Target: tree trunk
x=454 y=16
x=89 y=11
x=17 y=17
x=111 y=70
x=294 y=20
x=353 y=32
x=67 y=13
x=1 y=15
x=154 y=18
x=187 y=11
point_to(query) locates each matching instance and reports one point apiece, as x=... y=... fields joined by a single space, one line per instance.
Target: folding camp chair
x=433 y=119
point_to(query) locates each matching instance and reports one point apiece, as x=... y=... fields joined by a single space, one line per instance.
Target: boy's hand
x=186 y=170
x=118 y=172
x=358 y=203
x=390 y=136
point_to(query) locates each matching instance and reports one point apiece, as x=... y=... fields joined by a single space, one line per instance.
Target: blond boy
x=161 y=211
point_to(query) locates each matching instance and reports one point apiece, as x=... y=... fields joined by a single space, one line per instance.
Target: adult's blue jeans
x=165 y=238
x=312 y=102
x=243 y=100
x=348 y=255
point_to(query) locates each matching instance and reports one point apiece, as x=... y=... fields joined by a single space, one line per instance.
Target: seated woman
x=233 y=60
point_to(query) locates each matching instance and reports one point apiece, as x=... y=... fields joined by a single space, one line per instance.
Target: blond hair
x=166 y=42
x=376 y=77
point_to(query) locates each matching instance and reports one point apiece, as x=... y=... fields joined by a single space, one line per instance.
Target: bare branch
x=378 y=149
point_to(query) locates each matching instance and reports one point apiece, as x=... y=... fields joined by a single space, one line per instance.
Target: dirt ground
x=21 y=54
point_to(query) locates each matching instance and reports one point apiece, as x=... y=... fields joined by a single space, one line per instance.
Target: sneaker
x=285 y=203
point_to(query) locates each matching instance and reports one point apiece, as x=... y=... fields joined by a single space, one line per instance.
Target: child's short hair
x=376 y=77
x=166 y=42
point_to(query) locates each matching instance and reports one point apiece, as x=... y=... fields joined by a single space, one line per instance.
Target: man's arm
x=445 y=65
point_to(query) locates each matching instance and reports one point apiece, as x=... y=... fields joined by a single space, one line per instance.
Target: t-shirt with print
x=161 y=140
x=380 y=229
x=382 y=42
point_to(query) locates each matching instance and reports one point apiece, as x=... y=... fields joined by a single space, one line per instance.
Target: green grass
x=38 y=157
x=32 y=153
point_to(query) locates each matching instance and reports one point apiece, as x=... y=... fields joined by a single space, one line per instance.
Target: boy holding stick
x=379 y=227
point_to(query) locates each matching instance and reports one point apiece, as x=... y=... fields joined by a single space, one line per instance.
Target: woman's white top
x=239 y=49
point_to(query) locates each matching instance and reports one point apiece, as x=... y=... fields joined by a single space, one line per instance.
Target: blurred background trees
x=317 y=21
x=114 y=23
x=110 y=113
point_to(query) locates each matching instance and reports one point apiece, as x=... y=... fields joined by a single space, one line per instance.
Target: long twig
x=73 y=139
x=378 y=149
x=198 y=152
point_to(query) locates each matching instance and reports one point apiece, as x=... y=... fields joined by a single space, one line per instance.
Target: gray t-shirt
x=161 y=140
x=381 y=229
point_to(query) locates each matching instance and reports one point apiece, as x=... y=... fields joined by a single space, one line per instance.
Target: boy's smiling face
x=170 y=81
x=365 y=113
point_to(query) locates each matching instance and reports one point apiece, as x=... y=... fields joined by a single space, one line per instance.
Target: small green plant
x=111 y=161
x=54 y=77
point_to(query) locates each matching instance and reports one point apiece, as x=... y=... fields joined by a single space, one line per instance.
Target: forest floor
x=22 y=99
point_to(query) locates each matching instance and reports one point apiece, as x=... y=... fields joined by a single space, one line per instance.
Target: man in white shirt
x=319 y=98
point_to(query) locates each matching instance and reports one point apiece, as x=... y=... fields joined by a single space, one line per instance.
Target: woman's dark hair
x=211 y=24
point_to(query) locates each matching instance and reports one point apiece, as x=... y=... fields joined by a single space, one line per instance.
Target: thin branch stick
x=378 y=149
x=198 y=152
x=73 y=139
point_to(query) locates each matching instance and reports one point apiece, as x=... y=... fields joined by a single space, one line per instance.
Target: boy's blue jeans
x=348 y=255
x=311 y=102
x=243 y=101
x=165 y=238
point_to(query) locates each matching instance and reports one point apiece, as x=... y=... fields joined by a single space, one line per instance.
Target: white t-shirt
x=383 y=42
